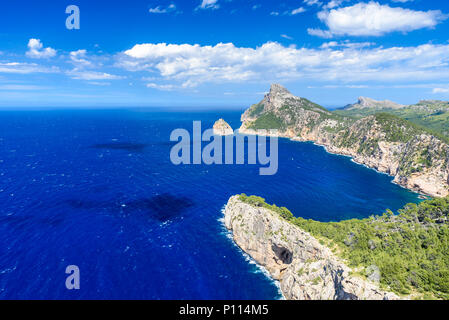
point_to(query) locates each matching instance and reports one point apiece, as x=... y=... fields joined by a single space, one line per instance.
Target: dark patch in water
x=162 y=207
x=85 y=204
x=130 y=147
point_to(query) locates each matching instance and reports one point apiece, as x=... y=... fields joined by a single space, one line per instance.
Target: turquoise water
x=96 y=189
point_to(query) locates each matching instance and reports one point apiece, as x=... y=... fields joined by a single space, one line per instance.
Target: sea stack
x=222 y=128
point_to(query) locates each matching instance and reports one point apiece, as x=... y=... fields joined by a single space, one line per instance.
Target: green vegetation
x=256 y=110
x=260 y=202
x=268 y=121
x=397 y=129
x=410 y=249
x=432 y=115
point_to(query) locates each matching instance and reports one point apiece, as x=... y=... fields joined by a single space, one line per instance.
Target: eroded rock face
x=305 y=269
x=222 y=128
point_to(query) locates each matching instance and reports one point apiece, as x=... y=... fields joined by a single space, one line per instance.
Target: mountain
x=430 y=114
x=413 y=155
x=368 y=103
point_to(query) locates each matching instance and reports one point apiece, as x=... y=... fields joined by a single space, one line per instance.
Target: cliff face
x=417 y=159
x=305 y=269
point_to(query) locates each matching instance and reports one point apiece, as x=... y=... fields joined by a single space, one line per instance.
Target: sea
x=95 y=189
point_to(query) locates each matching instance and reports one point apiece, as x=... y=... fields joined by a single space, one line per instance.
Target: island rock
x=222 y=128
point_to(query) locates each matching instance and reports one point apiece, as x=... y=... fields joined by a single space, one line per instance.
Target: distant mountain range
x=431 y=114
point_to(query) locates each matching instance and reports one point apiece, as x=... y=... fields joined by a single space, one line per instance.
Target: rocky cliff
x=305 y=269
x=417 y=159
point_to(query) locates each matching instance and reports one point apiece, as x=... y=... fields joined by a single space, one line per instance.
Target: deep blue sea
x=96 y=189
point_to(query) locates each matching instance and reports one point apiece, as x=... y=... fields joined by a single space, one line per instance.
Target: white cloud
x=313 y=2
x=79 y=58
x=320 y=33
x=374 y=19
x=162 y=87
x=274 y=13
x=286 y=37
x=160 y=9
x=36 y=50
x=440 y=90
x=25 y=68
x=346 y=44
x=333 y=4
x=92 y=75
x=209 y=4
x=21 y=87
x=297 y=11
x=185 y=66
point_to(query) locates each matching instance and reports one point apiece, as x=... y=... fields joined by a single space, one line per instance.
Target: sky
x=221 y=53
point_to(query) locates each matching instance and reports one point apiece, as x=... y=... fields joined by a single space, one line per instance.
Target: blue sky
x=222 y=53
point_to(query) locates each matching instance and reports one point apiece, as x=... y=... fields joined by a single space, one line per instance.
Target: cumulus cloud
x=374 y=19
x=186 y=66
x=36 y=50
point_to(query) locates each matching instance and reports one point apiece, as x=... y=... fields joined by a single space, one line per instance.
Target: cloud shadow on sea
x=127 y=146
x=162 y=208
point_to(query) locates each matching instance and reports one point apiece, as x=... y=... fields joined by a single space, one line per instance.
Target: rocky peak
x=277 y=89
x=277 y=96
x=366 y=102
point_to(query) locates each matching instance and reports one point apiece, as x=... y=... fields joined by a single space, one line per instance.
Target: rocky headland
x=305 y=269
x=416 y=158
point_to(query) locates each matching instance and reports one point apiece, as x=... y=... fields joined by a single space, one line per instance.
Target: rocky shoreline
x=428 y=184
x=305 y=269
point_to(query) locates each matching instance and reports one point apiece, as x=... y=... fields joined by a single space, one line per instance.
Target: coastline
x=228 y=234
x=401 y=183
x=304 y=268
